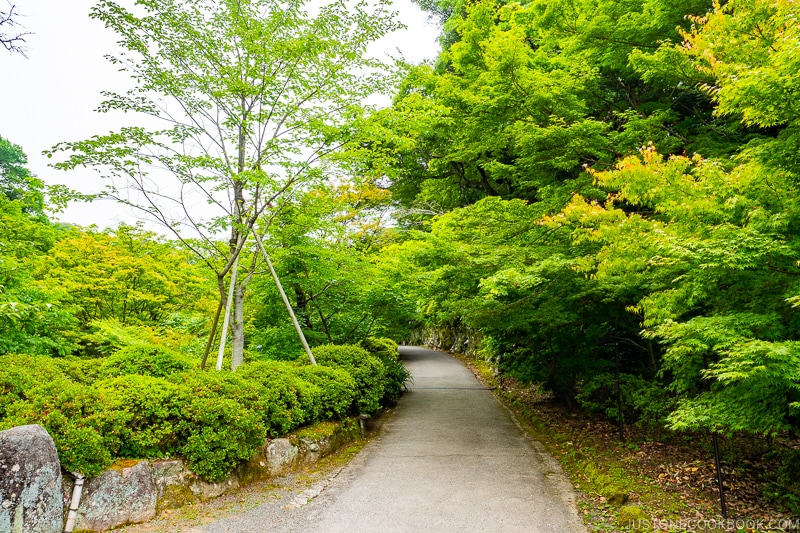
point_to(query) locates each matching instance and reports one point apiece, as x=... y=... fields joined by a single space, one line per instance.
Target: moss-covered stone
x=175 y=496
x=617 y=499
x=633 y=518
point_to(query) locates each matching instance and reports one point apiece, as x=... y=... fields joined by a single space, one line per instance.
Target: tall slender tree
x=247 y=96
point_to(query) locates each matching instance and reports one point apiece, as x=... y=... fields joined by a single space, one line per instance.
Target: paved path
x=450 y=460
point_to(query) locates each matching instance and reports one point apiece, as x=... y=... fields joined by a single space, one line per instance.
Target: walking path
x=451 y=459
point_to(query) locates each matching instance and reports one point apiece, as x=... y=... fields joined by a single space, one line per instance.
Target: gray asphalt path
x=451 y=459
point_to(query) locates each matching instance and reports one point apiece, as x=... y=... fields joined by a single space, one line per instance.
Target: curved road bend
x=450 y=460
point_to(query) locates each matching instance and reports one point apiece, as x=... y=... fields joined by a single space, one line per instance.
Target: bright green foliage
x=721 y=254
x=528 y=94
x=66 y=290
x=396 y=374
x=161 y=407
x=337 y=389
x=16 y=181
x=497 y=267
x=144 y=412
x=32 y=320
x=221 y=434
x=325 y=252
x=367 y=371
x=153 y=361
x=252 y=94
x=292 y=401
x=129 y=275
x=35 y=392
x=689 y=261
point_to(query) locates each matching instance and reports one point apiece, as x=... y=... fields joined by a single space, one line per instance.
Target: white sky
x=51 y=96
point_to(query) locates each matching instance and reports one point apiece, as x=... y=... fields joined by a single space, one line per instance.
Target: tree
x=690 y=262
x=127 y=274
x=253 y=93
x=326 y=248
x=31 y=317
x=14 y=41
x=16 y=181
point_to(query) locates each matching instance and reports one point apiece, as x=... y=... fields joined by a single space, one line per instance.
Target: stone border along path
x=451 y=459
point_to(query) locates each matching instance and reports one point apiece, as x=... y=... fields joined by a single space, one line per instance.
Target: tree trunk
x=237 y=328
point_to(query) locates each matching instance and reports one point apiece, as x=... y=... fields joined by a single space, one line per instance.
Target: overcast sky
x=50 y=96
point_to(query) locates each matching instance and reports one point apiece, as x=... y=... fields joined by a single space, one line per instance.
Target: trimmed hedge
x=367 y=371
x=396 y=374
x=148 y=402
x=338 y=389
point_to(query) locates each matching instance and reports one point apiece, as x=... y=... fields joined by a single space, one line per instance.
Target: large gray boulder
x=123 y=495
x=30 y=482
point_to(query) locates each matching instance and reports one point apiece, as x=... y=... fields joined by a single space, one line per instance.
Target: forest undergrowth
x=670 y=477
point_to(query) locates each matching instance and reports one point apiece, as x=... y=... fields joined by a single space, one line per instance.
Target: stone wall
x=33 y=492
x=454 y=338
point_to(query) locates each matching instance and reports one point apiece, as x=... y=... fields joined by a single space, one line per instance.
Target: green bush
x=81 y=369
x=72 y=414
x=142 y=413
x=145 y=360
x=337 y=389
x=380 y=346
x=291 y=401
x=215 y=420
x=223 y=384
x=396 y=373
x=235 y=386
x=219 y=433
x=81 y=447
x=19 y=374
x=213 y=425
x=367 y=370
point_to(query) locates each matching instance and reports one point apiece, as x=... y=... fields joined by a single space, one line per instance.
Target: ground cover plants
x=668 y=478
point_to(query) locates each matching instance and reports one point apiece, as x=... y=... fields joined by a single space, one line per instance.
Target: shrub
x=80 y=369
x=396 y=373
x=235 y=386
x=142 y=413
x=367 y=371
x=291 y=401
x=219 y=433
x=337 y=389
x=72 y=414
x=19 y=374
x=145 y=360
x=380 y=346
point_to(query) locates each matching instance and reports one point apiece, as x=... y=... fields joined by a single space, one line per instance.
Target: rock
x=281 y=456
x=255 y=469
x=30 y=482
x=171 y=479
x=309 y=450
x=634 y=518
x=206 y=490
x=121 y=495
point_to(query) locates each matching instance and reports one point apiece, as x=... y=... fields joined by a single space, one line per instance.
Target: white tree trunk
x=237 y=328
